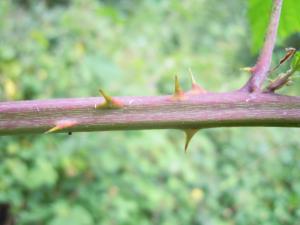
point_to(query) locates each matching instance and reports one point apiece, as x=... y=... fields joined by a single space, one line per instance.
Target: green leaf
x=259 y=14
x=296 y=62
x=43 y=173
x=76 y=215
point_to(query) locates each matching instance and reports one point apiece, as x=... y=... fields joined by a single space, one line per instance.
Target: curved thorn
x=290 y=52
x=109 y=102
x=189 y=135
x=196 y=88
x=60 y=125
x=192 y=76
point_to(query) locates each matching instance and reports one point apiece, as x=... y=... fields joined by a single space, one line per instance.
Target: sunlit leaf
x=259 y=13
x=296 y=62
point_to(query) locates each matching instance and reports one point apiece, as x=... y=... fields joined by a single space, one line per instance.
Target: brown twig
x=279 y=82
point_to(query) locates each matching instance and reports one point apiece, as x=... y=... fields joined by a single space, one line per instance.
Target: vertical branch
x=262 y=67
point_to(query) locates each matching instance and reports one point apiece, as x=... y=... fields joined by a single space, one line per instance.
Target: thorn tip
x=60 y=125
x=196 y=88
x=189 y=135
x=178 y=93
x=247 y=69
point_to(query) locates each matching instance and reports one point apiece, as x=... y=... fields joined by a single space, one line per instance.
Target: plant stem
x=196 y=111
x=193 y=110
x=261 y=69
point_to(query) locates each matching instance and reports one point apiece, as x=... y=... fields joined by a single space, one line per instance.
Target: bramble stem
x=192 y=110
x=196 y=111
x=261 y=69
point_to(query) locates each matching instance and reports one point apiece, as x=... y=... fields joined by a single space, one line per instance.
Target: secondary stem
x=262 y=67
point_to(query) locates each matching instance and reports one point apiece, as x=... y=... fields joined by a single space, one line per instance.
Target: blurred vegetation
x=71 y=48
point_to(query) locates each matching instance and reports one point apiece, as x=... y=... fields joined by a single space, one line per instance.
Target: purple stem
x=262 y=67
x=161 y=112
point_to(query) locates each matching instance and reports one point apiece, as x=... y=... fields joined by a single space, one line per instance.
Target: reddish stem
x=161 y=112
x=261 y=69
x=193 y=110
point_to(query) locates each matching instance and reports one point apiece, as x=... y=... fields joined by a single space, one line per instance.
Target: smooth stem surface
x=261 y=69
x=196 y=111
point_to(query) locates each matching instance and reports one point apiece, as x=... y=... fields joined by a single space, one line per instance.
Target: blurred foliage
x=70 y=49
x=295 y=65
x=259 y=14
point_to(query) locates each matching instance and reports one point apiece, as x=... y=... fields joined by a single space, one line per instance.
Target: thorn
x=289 y=82
x=290 y=52
x=189 y=135
x=196 y=88
x=56 y=128
x=178 y=93
x=109 y=103
x=192 y=76
x=60 y=125
x=247 y=69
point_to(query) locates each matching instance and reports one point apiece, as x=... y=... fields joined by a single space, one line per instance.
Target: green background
x=55 y=49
